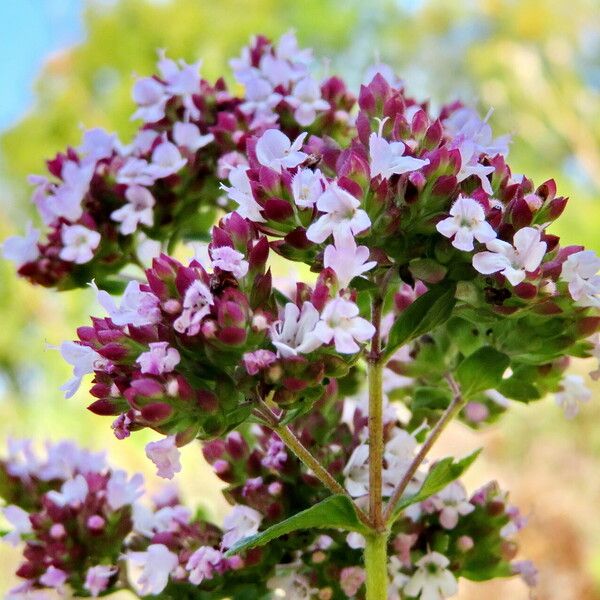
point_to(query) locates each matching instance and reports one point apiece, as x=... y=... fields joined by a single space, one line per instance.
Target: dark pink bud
x=444 y=185
x=525 y=290
x=588 y=325
x=557 y=206
x=294 y=384
x=417 y=179
x=419 y=123
x=297 y=239
x=113 y=351
x=104 y=407
x=278 y=210
x=363 y=127
x=213 y=450
x=100 y=390
x=108 y=336
x=232 y=336
x=220 y=238
x=257 y=257
x=207 y=401
x=434 y=134
x=521 y=213
x=157 y=412
x=236 y=445
x=86 y=334
x=95 y=523
x=366 y=100
x=147 y=387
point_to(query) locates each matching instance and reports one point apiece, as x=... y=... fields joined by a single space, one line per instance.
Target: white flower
x=356 y=540
x=241 y=192
x=466 y=221
x=399 y=453
x=168 y=518
x=573 y=393
x=19 y=519
x=241 y=522
x=73 y=492
x=165 y=455
x=289 y=584
x=356 y=472
x=182 y=80
x=452 y=503
x=287 y=49
x=387 y=158
x=135 y=172
x=346 y=258
x=79 y=243
x=161 y=358
x=275 y=150
x=151 y=97
x=342 y=214
x=203 y=563
x=187 y=135
x=580 y=271
x=294 y=334
x=137 y=307
x=69 y=195
x=307 y=187
x=97 y=578
x=22 y=249
x=84 y=360
x=470 y=165
x=397 y=578
x=228 y=259
x=307 y=101
x=196 y=305
x=432 y=580
x=137 y=210
x=260 y=100
x=157 y=563
x=166 y=160
x=513 y=261
x=340 y=322
x=120 y=491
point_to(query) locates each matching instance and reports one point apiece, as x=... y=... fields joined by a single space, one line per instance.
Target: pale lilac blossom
x=98 y=144
x=73 y=492
x=84 y=360
x=258 y=360
x=79 y=243
x=160 y=359
x=151 y=97
x=260 y=101
x=580 y=271
x=137 y=210
x=573 y=392
x=97 y=579
x=465 y=223
x=342 y=215
x=307 y=187
x=137 y=308
x=452 y=503
x=515 y=260
x=275 y=150
x=228 y=259
x=351 y=580
x=166 y=160
x=240 y=191
x=188 y=136
x=241 y=522
x=157 y=563
x=346 y=258
x=166 y=457
x=356 y=472
x=196 y=305
x=203 y=563
x=340 y=322
x=22 y=249
x=54 y=578
x=21 y=525
x=306 y=101
x=121 y=491
x=135 y=171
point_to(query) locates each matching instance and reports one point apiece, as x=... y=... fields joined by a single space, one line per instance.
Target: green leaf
x=440 y=475
x=335 y=512
x=481 y=371
x=431 y=398
x=427 y=312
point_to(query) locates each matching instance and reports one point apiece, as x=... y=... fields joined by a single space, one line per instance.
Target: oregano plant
x=366 y=272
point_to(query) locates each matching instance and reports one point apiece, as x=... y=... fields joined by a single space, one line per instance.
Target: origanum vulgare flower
x=361 y=257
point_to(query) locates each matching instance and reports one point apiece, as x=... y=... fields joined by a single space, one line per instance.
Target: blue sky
x=29 y=31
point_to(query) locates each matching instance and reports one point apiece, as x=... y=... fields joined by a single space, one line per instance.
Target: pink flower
x=137 y=307
x=151 y=98
x=340 y=322
x=84 y=360
x=19 y=519
x=387 y=158
x=346 y=258
x=165 y=455
x=21 y=250
x=159 y=359
x=260 y=100
x=157 y=563
x=228 y=259
x=351 y=580
x=135 y=172
x=188 y=136
x=166 y=160
x=275 y=456
x=98 y=144
x=53 y=577
x=203 y=563
x=275 y=150
x=573 y=392
x=97 y=578
x=452 y=503
x=342 y=215
x=306 y=101
x=258 y=360
x=73 y=492
x=196 y=305
x=120 y=491
x=79 y=243
x=241 y=522
x=137 y=210
x=513 y=261
x=240 y=191
x=466 y=221
x=307 y=187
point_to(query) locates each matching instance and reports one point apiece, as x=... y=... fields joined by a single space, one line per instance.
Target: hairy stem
x=320 y=472
x=375 y=375
x=453 y=409
x=376 y=566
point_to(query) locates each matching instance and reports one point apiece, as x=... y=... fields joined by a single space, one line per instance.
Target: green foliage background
x=537 y=63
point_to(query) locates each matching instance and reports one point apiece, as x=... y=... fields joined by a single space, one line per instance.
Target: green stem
x=375 y=375
x=376 y=566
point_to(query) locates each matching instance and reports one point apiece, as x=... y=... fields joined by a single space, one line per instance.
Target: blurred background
x=65 y=64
